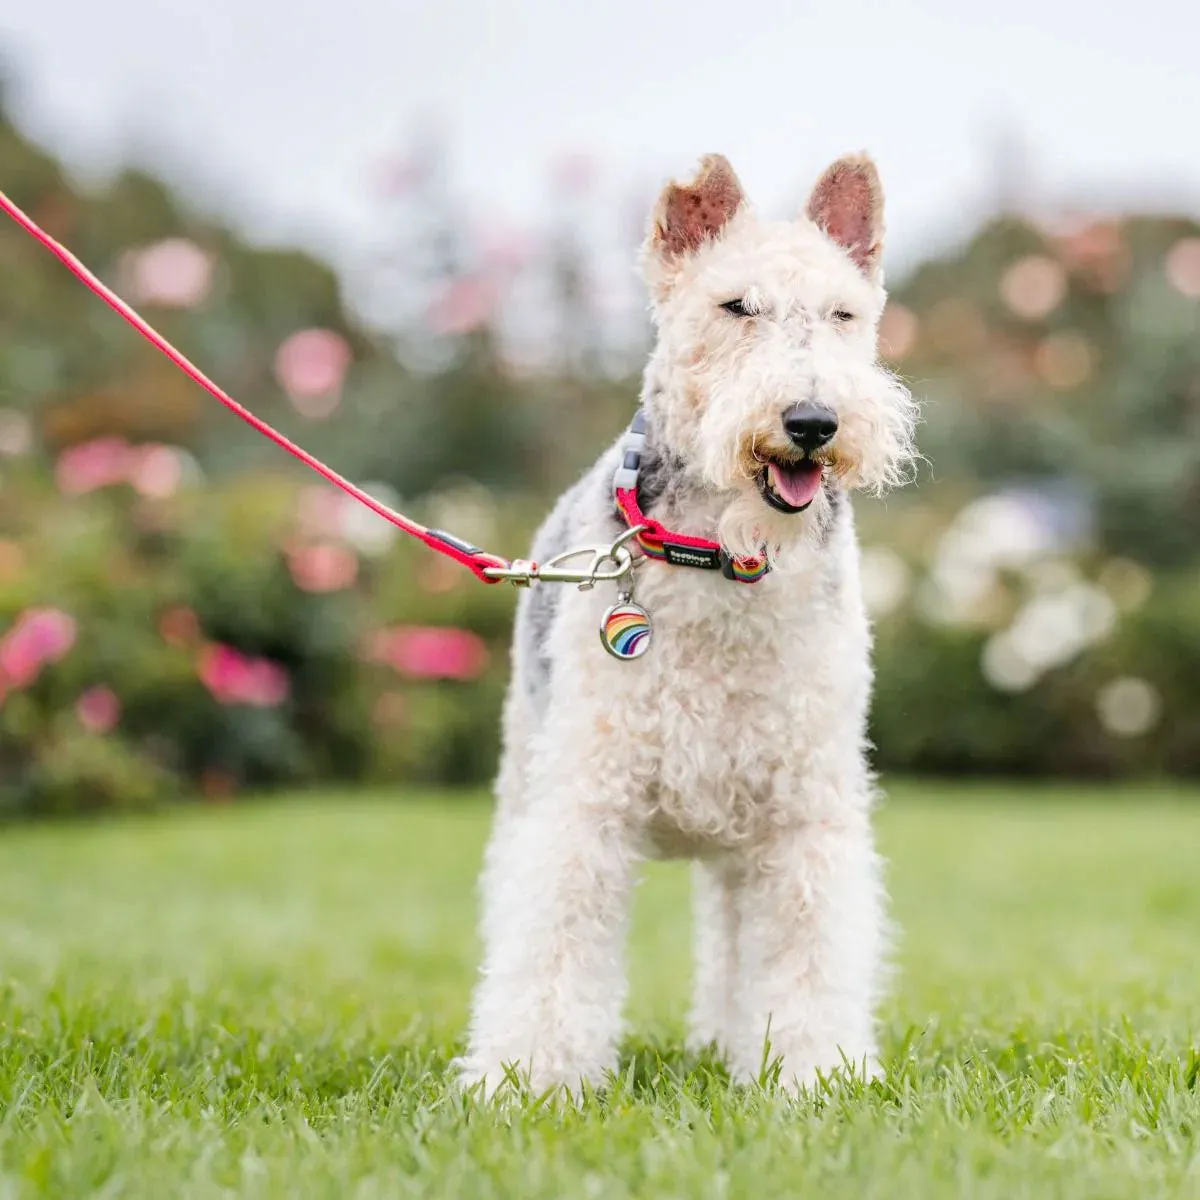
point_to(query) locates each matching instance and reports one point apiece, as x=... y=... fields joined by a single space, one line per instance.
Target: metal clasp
x=555 y=570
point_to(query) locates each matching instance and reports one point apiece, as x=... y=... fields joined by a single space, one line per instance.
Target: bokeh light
x=323 y=568
x=1183 y=267
x=469 y=365
x=1128 y=707
x=886 y=580
x=1033 y=287
x=1065 y=360
x=173 y=273
x=898 y=331
x=98 y=709
x=16 y=433
x=311 y=366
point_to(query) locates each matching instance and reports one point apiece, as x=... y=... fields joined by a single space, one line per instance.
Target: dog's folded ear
x=687 y=216
x=847 y=204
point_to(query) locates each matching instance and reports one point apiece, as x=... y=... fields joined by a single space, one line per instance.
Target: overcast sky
x=282 y=108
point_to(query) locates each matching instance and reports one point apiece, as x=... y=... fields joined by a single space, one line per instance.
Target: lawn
x=262 y=1001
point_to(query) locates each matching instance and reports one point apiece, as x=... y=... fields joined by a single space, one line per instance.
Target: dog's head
x=766 y=376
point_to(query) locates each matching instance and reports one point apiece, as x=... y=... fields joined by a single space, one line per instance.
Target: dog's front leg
x=714 y=940
x=556 y=888
x=810 y=941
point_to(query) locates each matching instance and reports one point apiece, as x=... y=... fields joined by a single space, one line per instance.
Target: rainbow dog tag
x=625 y=629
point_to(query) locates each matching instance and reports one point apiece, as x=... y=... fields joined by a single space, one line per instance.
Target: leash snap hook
x=618 y=554
x=558 y=569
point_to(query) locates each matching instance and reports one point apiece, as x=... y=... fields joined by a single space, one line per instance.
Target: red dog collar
x=656 y=540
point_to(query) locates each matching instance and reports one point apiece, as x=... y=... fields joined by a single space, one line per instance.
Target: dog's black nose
x=810 y=426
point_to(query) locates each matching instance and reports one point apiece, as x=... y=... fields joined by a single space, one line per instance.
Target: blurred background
x=405 y=236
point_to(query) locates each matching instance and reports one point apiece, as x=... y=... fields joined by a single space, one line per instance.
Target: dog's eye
x=737 y=308
x=842 y=316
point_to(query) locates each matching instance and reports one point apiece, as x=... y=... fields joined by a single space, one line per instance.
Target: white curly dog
x=738 y=739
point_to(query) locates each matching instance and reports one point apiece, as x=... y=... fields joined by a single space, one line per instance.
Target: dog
x=727 y=725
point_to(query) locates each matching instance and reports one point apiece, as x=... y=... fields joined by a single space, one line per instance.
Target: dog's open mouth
x=790 y=487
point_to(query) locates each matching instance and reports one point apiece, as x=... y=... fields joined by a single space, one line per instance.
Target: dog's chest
x=726 y=700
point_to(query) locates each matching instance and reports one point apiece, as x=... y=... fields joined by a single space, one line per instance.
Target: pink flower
x=234 y=678
x=174 y=273
x=179 y=626
x=506 y=250
x=1098 y=251
x=98 y=709
x=310 y=366
x=319 y=511
x=438 y=652
x=439 y=575
x=92 y=465
x=323 y=568
x=40 y=636
x=267 y=684
x=465 y=305
x=1183 y=267
x=155 y=471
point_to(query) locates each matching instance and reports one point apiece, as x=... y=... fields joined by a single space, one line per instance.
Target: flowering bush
x=1125 y=706
x=175 y=622
x=999 y=651
x=163 y=646
x=186 y=652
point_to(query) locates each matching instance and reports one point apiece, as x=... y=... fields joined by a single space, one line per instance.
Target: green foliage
x=265 y=1001
x=213 y=571
x=78 y=772
x=936 y=711
x=1096 y=382
x=1060 y=365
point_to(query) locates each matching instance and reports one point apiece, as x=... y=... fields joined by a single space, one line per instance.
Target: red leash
x=470 y=556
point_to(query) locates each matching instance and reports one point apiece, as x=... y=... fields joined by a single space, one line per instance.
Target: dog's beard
x=872 y=451
x=749 y=527
x=874 y=448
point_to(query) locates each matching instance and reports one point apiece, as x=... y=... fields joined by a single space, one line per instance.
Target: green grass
x=263 y=1002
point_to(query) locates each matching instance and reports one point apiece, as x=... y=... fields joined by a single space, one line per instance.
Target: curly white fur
x=739 y=739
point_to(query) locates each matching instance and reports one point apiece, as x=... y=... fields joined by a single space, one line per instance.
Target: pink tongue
x=797 y=484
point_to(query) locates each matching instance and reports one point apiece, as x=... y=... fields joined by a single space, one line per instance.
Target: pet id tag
x=625 y=629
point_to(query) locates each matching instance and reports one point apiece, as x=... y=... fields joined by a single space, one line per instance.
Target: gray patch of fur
x=664 y=483
x=837 y=524
x=537 y=605
x=832 y=515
